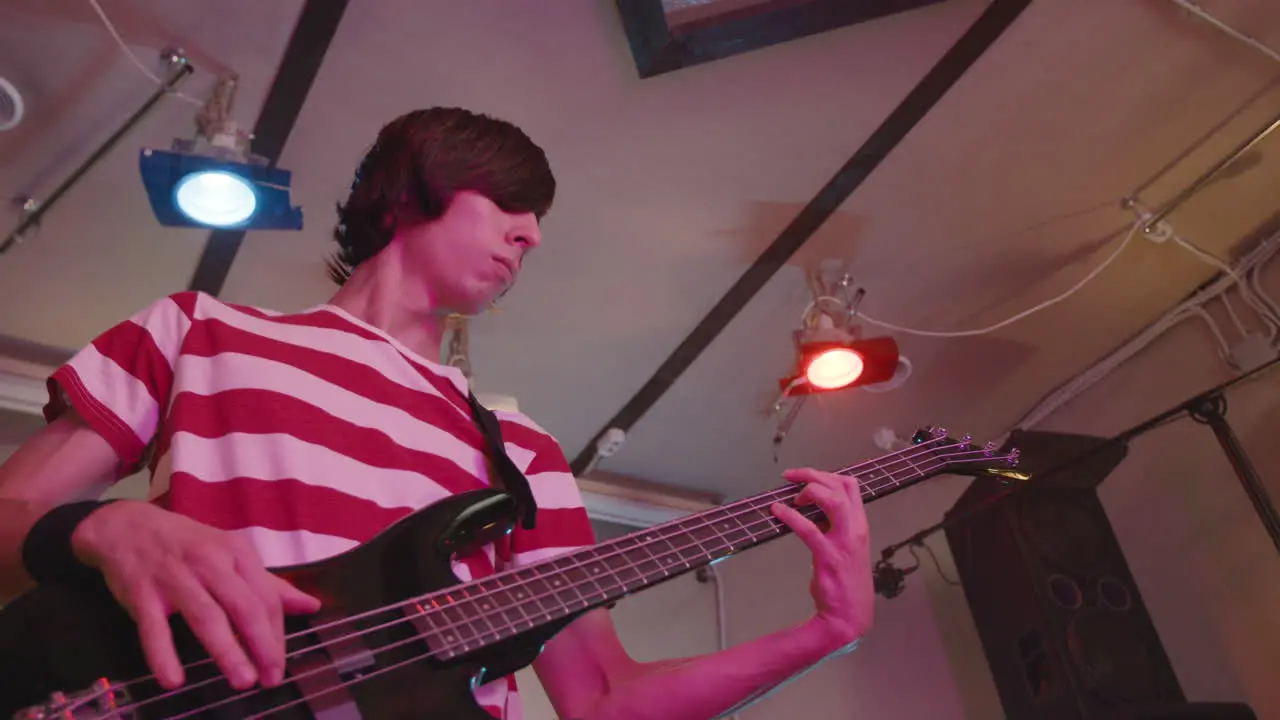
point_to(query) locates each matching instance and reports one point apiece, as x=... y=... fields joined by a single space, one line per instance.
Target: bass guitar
x=399 y=636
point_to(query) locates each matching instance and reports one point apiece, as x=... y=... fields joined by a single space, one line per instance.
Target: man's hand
x=158 y=563
x=842 y=584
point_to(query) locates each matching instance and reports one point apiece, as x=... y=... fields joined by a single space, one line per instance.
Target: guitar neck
x=501 y=606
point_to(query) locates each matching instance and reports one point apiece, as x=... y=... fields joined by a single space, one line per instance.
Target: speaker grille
x=1113 y=657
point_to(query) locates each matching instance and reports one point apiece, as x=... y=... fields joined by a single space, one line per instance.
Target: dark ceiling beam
x=998 y=16
x=317 y=24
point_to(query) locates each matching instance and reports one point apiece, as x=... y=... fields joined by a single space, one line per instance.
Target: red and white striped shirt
x=306 y=433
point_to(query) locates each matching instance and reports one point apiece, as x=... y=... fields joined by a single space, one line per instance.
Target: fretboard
x=477 y=614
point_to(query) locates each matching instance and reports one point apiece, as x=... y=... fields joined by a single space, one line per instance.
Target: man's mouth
x=508 y=264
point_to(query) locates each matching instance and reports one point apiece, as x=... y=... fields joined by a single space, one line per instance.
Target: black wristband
x=47 y=553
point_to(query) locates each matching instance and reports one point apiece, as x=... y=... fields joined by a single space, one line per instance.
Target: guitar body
x=57 y=640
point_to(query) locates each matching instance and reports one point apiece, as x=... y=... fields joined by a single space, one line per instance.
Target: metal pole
x=40 y=208
x=1200 y=12
x=1208 y=175
x=1212 y=411
x=1184 y=408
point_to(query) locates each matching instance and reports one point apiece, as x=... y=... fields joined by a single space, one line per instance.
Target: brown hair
x=420 y=161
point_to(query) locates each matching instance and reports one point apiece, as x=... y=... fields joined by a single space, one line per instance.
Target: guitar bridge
x=105 y=700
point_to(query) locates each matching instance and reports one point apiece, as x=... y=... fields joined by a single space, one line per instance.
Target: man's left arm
x=588 y=675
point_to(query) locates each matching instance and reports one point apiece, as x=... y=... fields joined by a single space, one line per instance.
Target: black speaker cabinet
x=1061 y=621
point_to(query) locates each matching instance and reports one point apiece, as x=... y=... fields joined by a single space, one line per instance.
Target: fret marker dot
x=450 y=638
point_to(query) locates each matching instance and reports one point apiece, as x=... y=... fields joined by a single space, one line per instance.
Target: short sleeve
x=562 y=522
x=120 y=383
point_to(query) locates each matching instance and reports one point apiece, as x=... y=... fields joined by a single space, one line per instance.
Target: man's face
x=471 y=255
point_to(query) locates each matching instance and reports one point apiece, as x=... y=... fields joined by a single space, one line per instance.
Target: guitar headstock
x=963 y=457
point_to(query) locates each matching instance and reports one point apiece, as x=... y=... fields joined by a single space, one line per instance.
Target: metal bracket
x=31 y=218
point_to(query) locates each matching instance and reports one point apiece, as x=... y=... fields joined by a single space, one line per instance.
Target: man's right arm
x=155 y=562
x=67 y=460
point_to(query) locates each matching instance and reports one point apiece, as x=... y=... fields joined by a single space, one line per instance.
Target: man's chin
x=474 y=307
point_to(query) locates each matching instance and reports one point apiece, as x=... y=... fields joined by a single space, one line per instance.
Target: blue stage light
x=217 y=198
x=190 y=190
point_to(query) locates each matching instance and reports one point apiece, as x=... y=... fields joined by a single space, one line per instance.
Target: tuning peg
x=989 y=449
x=1014 y=454
x=966 y=439
x=938 y=432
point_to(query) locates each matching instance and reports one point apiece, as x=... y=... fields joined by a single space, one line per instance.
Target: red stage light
x=833 y=368
x=834 y=364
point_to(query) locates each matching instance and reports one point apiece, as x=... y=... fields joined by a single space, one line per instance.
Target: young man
x=277 y=439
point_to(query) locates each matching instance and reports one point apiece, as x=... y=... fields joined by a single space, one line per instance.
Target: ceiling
x=1004 y=195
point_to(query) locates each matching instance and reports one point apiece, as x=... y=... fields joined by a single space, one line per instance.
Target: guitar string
x=809 y=512
x=772 y=521
x=915 y=450
x=658 y=529
x=753 y=504
x=771 y=496
x=759 y=504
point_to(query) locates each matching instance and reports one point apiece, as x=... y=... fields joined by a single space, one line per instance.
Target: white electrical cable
x=1259 y=300
x=1250 y=265
x=1105 y=367
x=1265 y=308
x=1224 y=349
x=1235 y=318
x=1090 y=376
x=1205 y=256
x=111 y=28
x=1256 y=287
x=1268 y=315
x=1048 y=303
x=813 y=305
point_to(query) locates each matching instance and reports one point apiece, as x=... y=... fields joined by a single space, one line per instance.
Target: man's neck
x=376 y=293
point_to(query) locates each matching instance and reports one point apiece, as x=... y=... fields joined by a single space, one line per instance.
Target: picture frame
x=668 y=35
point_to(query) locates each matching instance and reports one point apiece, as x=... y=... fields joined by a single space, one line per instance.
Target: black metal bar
x=314 y=32
x=1145 y=426
x=981 y=35
x=1199 y=183
x=43 y=206
x=1211 y=410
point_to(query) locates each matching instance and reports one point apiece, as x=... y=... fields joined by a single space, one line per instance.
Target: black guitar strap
x=513 y=481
